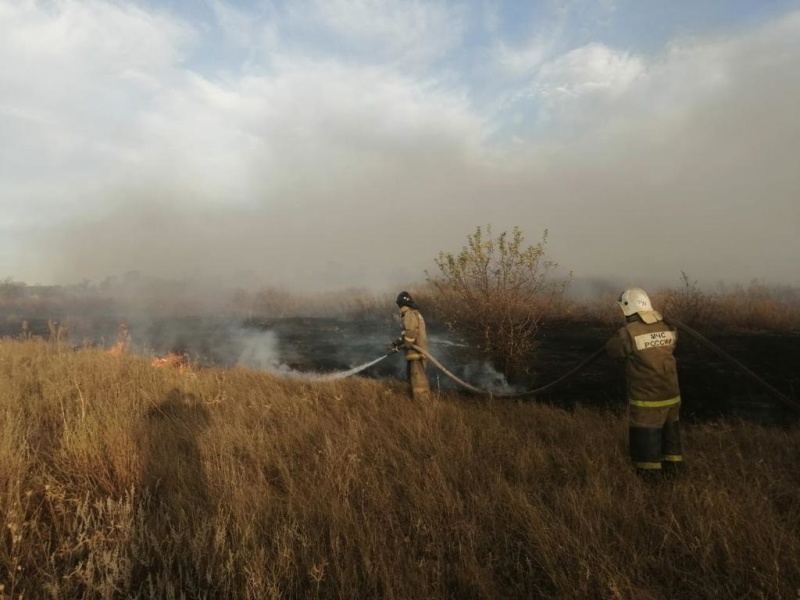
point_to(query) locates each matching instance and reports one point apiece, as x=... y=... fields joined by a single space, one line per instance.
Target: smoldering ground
x=300 y=347
x=318 y=348
x=314 y=348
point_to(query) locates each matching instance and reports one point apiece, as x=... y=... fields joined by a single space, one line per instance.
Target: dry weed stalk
x=240 y=484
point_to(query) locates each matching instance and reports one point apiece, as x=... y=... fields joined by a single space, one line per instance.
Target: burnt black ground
x=711 y=388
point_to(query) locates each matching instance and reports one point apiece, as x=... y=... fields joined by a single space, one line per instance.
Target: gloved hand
x=393 y=346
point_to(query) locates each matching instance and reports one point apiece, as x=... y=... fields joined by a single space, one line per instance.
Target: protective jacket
x=413 y=332
x=652 y=375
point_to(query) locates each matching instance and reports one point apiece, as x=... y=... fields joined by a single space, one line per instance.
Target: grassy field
x=121 y=480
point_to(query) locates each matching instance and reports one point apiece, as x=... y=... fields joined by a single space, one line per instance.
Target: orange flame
x=118 y=349
x=123 y=341
x=176 y=361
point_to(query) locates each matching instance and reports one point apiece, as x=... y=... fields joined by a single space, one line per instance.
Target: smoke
x=306 y=348
x=309 y=348
x=259 y=350
x=320 y=173
x=483 y=375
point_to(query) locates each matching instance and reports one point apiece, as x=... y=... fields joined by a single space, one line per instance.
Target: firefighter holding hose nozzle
x=646 y=345
x=413 y=333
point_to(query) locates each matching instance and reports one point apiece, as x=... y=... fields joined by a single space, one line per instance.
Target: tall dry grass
x=118 y=480
x=752 y=308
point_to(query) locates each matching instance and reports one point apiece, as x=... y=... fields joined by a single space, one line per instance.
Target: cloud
x=203 y=175
x=588 y=70
x=290 y=166
x=693 y=162
x=517 y=62
x=254 y=32
x=572 y=86
x=317 y=169
x=82 y=74
x=410 y=31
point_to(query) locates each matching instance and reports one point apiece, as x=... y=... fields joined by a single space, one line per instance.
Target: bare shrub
x=495 y=293
x=275 y=302
x=689 y=303
x=601 y=310
x=756 y=307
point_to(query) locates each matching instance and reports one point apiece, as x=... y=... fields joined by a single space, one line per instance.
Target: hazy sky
x=338 y=143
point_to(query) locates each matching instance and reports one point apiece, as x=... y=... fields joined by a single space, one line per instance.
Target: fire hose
x=783 y=398
x=586 y=362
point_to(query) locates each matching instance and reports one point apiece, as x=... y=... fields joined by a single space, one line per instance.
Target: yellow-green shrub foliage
x=495 y=293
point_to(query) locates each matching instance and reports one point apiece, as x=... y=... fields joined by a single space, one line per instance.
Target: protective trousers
x=417 y=379
x=655 y=435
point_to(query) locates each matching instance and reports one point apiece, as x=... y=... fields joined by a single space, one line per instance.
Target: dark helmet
x=404 y=299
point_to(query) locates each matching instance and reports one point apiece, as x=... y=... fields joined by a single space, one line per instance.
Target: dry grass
x=120 y=480
x=755 y=308
x=752 y=308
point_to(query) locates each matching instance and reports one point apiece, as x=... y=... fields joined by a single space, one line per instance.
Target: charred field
x=711 y=387
x=120 y=480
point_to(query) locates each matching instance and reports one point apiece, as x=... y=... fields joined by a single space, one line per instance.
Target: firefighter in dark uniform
x=413 y=333
x=646 y=344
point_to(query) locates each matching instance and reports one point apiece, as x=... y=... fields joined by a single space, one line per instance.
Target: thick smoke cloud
x=316 y=171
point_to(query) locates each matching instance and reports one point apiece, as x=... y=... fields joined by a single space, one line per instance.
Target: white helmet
x=636 y=300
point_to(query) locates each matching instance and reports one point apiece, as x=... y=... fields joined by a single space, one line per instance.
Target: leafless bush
x=495 y=293
x=689 y=303
x=756 y=307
